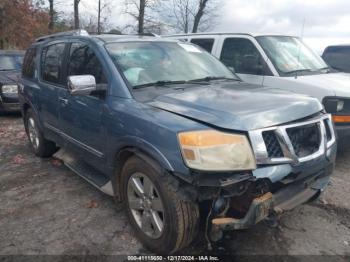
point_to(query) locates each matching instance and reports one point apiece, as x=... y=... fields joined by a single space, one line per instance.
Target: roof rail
x=148 y=34
x=67 y=33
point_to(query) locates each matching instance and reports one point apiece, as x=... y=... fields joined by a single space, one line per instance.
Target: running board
x=84 y=170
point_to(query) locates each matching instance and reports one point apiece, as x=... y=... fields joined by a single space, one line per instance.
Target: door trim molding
x=76 y=142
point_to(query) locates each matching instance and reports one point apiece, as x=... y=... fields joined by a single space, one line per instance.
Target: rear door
x=206 y=43
x=81 y=115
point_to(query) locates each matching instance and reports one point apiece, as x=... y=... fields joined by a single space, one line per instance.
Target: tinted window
x=28 y=69
x=83 y=61
x=52 y=58
x=206 y=44
x=241 y=55
x=338 y=57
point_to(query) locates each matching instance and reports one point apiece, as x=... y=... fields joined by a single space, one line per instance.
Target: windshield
x=290 y=55
x=10 y=62
x=145 y=63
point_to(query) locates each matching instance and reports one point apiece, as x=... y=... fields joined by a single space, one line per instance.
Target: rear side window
x=338 y=57
x=241 y=55
x=206 y=44
x=83 y=61
x=28 y=69
x=51 y=64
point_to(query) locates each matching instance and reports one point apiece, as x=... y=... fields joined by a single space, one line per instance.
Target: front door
x=81 y=116
x=241 y=55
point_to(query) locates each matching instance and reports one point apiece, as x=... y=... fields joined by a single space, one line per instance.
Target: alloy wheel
x=146 y=205
x=33 y=133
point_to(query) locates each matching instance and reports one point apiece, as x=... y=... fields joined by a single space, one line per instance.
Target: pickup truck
x=284 y=62
x=166 y=128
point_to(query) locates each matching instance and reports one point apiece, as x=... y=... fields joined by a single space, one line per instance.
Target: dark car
x=10 y=67
x=338 y=57
x=165 y=127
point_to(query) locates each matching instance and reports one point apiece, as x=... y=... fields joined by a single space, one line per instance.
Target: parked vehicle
x=283 y=62
x=10 y=66
x=338 y=57
x=164 y=127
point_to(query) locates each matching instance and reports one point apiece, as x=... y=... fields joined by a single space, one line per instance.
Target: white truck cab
x=283 y=62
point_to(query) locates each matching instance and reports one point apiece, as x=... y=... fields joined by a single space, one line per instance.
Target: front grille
x=305 y=139
x=293 y=143
x=272 y=145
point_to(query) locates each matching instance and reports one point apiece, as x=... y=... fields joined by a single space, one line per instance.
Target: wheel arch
x=149 y=154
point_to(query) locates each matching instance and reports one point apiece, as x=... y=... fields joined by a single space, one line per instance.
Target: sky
x=325 y=22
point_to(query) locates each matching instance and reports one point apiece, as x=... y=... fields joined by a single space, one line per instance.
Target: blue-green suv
x=166 y=128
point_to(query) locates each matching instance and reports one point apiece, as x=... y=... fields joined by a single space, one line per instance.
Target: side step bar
x=84 y=170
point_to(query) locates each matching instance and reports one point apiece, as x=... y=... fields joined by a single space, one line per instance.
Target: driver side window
x=243 y=56
x=83 y=61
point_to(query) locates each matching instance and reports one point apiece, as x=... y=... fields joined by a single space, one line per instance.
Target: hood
x=9 y=77
x=339 y=83
x=238 y=106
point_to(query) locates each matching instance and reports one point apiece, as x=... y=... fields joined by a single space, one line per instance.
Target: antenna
x=301 y=37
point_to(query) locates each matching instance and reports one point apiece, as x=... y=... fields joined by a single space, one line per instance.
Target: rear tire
x=41 y=146
x=179 y=215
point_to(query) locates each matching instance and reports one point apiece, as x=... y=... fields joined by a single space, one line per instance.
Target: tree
x=21 y=22
x=103 y=12
x=76 y=14
x=145 y=14
x=99 y=18
x=52 y=15
x=190 y=15
x=202 y=4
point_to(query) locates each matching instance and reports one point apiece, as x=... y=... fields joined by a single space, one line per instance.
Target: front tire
x=41 y=146
x=163 y=218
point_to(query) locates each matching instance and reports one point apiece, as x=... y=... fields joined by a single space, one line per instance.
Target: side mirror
x=81 y=84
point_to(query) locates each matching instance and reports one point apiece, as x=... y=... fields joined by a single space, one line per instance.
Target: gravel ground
x=47 y=209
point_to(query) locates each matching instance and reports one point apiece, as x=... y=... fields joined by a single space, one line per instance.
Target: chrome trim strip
x=71 y=139
x=290 y=156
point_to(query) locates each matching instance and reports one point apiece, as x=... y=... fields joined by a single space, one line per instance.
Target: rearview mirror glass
x=81 y=84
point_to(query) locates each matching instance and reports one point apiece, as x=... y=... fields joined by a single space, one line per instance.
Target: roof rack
x=149 y=34
x=80 y=32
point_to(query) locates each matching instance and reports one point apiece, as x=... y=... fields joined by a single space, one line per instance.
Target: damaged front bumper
x=274 y=203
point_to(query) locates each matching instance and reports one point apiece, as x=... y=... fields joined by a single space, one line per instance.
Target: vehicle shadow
x=10 y=114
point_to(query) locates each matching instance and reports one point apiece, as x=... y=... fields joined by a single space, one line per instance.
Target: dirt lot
x=47 y=209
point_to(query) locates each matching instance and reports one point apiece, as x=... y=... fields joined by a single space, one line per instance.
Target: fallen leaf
x=18 y=159
x=92 y=204
x=56 y=162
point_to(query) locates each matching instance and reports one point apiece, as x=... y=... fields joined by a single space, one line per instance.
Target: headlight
x=211 y=150
x=339 y=108
x=334 y=105
x=9 y=89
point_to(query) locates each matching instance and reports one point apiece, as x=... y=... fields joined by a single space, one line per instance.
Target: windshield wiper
x=170 y=82
x=298 y=71
x=210 y=78
x=329 y=69
x=4 y=69
x=160 y=83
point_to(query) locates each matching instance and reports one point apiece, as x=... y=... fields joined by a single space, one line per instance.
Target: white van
x=283 y=62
